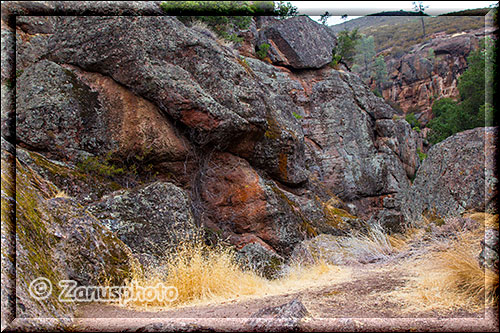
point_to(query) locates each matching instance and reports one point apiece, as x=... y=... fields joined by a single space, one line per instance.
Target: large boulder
x=340 y=127
x=240 y=202
x=281 y=318
x=150 y=219
x=457 y=175
x=191 y=78
x=72 y=114
x=56 y=239
x=299 y=42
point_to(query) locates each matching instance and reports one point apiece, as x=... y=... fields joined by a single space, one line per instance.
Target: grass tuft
x=206 y=274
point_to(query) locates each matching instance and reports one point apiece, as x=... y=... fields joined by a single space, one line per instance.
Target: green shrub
x=262 y=52
x=412 y=120
x=100 y=165
x=335 y=61
x=285 y=10
x=421 y=155
x=222 y=17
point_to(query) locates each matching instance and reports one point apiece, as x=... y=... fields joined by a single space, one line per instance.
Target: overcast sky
x=359 y=8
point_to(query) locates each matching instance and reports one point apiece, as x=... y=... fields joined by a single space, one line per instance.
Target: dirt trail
x=355 y=305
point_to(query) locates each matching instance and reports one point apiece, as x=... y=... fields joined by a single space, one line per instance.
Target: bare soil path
x=357 y=305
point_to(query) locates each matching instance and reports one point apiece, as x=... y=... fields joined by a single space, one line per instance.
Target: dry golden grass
x=448 y=276
x=61 y=194
x=441 y=262
x=486 y=220
x=204 y=274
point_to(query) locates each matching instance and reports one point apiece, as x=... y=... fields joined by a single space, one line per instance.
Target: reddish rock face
x=233 y=191
x=417 y=79
x=136 y=125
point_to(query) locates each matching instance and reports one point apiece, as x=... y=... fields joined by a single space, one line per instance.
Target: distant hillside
x=402 y=30
x=371 y=21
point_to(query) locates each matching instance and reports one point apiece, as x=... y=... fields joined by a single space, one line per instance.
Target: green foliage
x=335 y=61
x=346 y=46
x=285 y=10
x=262 y=52
x=421 y=155
x=379 y=70
x=412 y=120
x=231 y=37
x=365 y=56
x=218 y=8
x=377 y=93
x=100 y=165
x=449 y=121
x=431 y=55
x=221 y=16
x=296 y=115
x=473 y=109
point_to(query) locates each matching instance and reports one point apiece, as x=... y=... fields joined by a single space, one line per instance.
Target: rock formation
x=429 y=71
x=156 y=130
x=457 y=175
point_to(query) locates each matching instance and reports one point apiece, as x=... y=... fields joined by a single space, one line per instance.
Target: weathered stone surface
x=355 y=147
x=457 y=175
x=299 y=42
x=292 y=309
x=398 y=136
x=169 y=64
x=417 y=78
x=282 y=318
x=259 y=257
x=64 y=110
x=58 y=240
x=191 y=78
x=239 y=201
x=151 y=219
x=489 y=250
x=55 y=112
x=342 y=138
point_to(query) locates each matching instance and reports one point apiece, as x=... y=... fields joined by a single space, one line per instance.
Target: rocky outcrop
x=298 y=42
x=72 y=114
x=56 y=239
x=457 y=175
x=263 y=155
x=489 y=250
x=284 y=317
x=428 y=72
x=191 y=78
x=151 y=220
x=241 y=202
x=260 y=149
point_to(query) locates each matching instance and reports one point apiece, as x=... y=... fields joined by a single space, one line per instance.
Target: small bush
x=100 y=165
x=412 y=120
x=262 y=51
x=421 y=155
x=335 y=61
